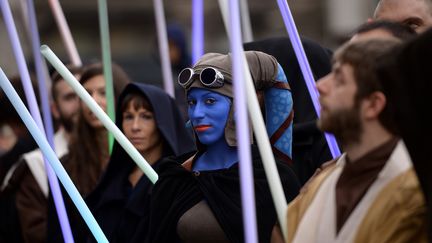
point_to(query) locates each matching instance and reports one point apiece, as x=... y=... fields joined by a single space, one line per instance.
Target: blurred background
x=134 y=37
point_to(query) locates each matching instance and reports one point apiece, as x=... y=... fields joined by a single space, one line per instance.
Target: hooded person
x=179 y=54
x=152 y=122
x=200 y=200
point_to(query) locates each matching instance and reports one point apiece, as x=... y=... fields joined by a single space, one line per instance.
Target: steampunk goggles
x=209 y=77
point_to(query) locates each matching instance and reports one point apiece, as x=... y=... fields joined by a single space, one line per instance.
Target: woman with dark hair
x=152 y=122
x=88 y=149
x=200 y=200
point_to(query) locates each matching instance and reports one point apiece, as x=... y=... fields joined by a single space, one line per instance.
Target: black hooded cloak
x=117 y=206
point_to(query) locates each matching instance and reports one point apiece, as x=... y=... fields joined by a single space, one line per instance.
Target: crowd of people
x=373 y=96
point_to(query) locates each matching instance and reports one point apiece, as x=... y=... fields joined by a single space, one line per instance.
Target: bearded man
x=25 y=190
x=371 y=193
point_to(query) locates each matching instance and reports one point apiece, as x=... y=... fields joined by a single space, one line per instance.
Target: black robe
x=117 y=206
x=309 y=148
x=135 y=215
x=178 y=189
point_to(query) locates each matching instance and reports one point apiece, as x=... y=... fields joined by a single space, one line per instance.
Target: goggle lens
x=185 y=76
x=208 y=76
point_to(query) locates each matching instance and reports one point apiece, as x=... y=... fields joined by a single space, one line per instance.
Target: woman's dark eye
x=102 y=92
x=147 y=116
x=210 y=101
x=127 y=117
x=191 y=102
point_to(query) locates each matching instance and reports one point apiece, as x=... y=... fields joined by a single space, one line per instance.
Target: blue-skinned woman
x=199 y=199
x=150 y=119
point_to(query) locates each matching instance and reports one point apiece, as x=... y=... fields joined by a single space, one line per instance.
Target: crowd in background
x=373 y=96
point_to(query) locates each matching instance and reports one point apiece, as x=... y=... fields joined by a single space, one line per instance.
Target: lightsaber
x=242 y=131
x=106 y=58
x=305 y=68
x=52 y=158
x=32 y=103
x=245 y=21
x=261 y=135
x=99 y=113
x=163 y=47
x=65 y=32
x=197 y=29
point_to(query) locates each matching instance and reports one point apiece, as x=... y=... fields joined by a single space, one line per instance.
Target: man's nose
x=322 y=84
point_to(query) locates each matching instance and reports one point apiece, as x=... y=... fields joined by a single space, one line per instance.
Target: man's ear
x=55 y=112
x=374 y=105
x=370 y=20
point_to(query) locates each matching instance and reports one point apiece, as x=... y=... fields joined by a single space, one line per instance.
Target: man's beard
x=67 y=122
x=344 y=124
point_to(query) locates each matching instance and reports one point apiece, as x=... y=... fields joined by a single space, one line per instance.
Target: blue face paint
x=208 y=112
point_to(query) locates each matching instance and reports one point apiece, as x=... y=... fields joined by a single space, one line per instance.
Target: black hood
x=170 y=123
x=168 y=119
